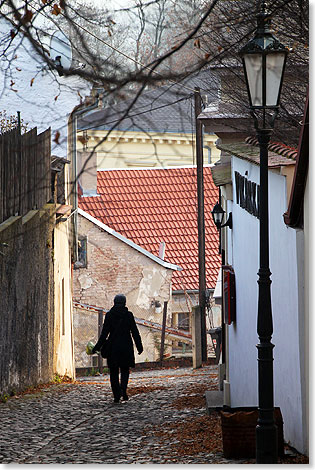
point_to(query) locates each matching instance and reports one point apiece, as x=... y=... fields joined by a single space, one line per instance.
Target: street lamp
x=218 y=214
x=264 y=59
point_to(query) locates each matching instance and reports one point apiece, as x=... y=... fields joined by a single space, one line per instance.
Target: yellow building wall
x=63 y=320
x=63 y=323
x=128 y=149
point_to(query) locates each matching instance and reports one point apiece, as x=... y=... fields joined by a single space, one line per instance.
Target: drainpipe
x=209 y=153
x=74 y=118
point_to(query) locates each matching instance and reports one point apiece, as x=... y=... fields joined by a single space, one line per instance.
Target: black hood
x=119 y=310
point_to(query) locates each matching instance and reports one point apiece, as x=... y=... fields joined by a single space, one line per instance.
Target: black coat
x=119 y=325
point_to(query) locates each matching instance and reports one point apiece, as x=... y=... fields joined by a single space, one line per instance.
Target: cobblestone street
x=79 y=423
x=164 y=422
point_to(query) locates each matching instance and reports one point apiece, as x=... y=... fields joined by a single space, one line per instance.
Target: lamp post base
x=266 y=443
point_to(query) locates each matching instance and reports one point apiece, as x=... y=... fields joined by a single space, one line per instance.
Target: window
x=183 y=321
x=82 y=253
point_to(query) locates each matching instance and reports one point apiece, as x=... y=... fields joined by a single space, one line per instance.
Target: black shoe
x=116 y=400
x=125 y=397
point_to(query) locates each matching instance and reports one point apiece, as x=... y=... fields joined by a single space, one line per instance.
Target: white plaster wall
x=307 y=294
x=243 y=256
x=43 y=98
x=284 y=290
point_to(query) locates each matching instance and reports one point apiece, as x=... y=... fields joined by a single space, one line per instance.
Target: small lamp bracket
x=229 y=222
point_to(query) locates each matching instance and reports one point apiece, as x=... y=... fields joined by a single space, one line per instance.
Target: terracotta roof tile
x=250 y=152
x=154 y=205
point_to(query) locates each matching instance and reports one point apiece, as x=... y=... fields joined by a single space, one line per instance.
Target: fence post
x=100 y=326
x=196 y=337
x=163 y=332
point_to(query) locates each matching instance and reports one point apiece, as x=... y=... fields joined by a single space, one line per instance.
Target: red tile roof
x=150 y=206
x=277 y=147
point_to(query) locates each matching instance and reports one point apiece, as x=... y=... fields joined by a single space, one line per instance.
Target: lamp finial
x=263 y=6
x=263 y=19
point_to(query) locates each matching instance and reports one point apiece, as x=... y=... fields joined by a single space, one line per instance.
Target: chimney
x=87 y=173
x=162 y=250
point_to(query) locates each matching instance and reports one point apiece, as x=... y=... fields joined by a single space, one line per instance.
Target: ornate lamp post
x=264 y=59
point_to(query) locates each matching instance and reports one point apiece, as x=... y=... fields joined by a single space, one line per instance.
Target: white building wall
x=29 y=86
x=307 y=293
x=285 y=305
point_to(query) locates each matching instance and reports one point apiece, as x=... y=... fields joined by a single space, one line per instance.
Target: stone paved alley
x=164 y=422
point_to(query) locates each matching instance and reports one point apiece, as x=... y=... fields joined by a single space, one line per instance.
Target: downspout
x=74 y=118
x=209 y=153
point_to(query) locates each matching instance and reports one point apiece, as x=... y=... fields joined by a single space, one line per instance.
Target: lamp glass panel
x=253 y=66
x=218 y=217
x=274 y=67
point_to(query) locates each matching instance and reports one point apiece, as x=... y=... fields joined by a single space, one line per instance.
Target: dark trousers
x=119 y=389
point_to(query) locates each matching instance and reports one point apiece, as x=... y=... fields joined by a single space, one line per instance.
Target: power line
x=128 y=57
x=116 y=50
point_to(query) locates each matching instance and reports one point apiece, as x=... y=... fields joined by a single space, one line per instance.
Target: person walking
x=120 y=327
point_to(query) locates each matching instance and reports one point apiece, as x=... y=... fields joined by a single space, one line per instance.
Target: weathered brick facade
x=114 y=267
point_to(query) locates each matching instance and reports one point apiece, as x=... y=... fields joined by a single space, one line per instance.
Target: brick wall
x=114 y=267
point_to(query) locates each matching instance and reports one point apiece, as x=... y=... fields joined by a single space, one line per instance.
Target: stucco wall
x=85 y=327
x=307 y=255
x=146 y=149
x=63 y=339
x=285 y=290
x=26 y=301
x=114 y=267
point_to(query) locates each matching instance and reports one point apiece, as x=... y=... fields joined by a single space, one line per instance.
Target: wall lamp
x=157 y=306
x=218 y=214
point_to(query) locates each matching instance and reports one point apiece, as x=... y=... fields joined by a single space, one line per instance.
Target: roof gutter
x=78 y=111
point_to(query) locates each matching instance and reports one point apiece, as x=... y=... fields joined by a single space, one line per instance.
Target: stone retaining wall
x=26 y=301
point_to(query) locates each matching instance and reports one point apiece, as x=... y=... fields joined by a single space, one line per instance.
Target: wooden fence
x=25 y=181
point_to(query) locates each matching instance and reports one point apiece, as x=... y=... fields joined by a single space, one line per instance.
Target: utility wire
x=115 y=49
